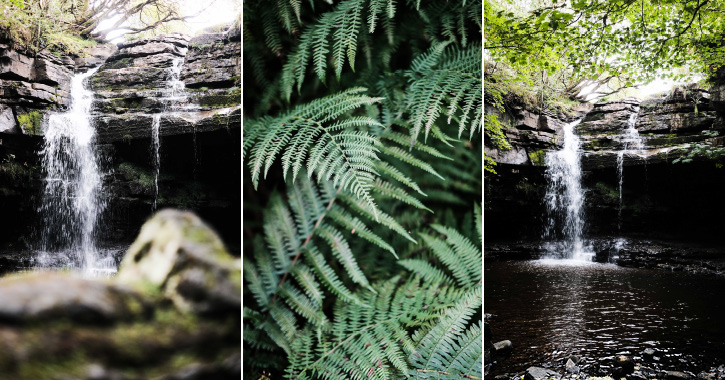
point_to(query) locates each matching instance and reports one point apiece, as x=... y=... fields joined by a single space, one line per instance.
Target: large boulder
x=172 y=312
x=176 y=252
x=48 y=296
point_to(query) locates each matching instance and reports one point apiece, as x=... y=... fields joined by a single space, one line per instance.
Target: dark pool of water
x=550 y=311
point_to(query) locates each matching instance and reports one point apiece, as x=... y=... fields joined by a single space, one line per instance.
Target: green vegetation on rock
x=537 y=157
x=31 y=122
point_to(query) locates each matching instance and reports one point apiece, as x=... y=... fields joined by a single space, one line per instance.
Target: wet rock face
x=134 y=84
x=38 y=82
x=214 y=60
x=610 y=117
x=531 y=134
x=155 y=319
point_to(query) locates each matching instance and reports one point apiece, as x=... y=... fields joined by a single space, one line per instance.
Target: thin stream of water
x=632 y=142
x=176 y=90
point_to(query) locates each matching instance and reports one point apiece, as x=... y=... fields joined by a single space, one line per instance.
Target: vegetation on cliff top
x=546 y=52
x=71 y=25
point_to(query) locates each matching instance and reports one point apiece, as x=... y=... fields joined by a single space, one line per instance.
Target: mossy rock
x=137 y=176
x=182 y=256
x=219 y=100
x=174 y=308
x=538 y=157
x=31 y=122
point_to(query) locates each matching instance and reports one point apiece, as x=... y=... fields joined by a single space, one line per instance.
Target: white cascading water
x=631 y=142
x=565 y=199
x=155 y=146
x=72 y=199
x=176 y=93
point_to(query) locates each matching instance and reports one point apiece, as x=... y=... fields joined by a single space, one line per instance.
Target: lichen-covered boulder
x=187 y=261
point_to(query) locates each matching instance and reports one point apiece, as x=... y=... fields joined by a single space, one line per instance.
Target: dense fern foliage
x=362 y=155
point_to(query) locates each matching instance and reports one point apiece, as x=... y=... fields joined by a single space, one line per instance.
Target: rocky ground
x=171 y=312
x=642 y=367
x=628 y=252
x=650 y=364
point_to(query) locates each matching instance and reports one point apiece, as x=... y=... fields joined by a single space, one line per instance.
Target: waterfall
x=565 y=199
x=175 y=93
x=72 y=200
x=155 y=145
x=631 y=141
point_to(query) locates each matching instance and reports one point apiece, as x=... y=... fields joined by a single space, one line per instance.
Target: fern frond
x=286 y=14
x=448 y=257
x=393 y=172
x=425 y=270
x=285 y=319
x=357 y=226
x=383 y=218
x=408 y=158
x=373 y=343
x=307 y=280
x=255 y=283
x=385 y=189
x=342 y=28
x=439 y=77
x=271 y=29
x=302 y=305
x=328 y=277
x=436 y=350
x=342 y=251
x=404 y=140
x=468 y=351
x=330 y=150
x=468 y=254
x=374 y=8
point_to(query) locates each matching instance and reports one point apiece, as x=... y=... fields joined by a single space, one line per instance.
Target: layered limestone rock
x=633 y=195
x=136 y=83
x=666 y=125
x=530 y=133
x=31 y=85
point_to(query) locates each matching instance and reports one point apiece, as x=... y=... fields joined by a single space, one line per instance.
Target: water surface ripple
x=550 y=311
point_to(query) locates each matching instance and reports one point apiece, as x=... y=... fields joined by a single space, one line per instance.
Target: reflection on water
x=551 y=309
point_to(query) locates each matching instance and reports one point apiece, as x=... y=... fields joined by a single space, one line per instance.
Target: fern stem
x=307 y=240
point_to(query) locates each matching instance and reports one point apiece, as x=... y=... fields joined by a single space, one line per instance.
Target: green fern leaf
x=425 y=270
x=346 y=157
x=436 y=348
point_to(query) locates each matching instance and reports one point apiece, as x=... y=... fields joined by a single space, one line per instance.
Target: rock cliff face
x=191 y=86
x=660 y=199
x=133 y=85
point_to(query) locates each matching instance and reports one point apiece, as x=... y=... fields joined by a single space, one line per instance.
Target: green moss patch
x=537 y=157
x=31 y=122
x=219 y=100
